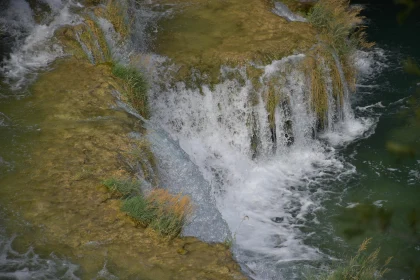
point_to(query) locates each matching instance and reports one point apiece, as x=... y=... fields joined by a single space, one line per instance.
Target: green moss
x=135 y=86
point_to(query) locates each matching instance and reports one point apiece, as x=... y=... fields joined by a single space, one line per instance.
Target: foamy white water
x=282 y=10
x=268 y=199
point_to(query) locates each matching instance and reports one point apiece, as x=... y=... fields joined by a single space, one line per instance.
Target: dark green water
x=382 y=199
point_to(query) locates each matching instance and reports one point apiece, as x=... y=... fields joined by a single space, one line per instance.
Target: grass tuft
x=162 y=211
x=123 y=187
x=360 y=267
x=138 y=208
x=340 y=25
x=135 y=86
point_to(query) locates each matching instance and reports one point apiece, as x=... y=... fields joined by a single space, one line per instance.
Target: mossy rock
x=205 y=34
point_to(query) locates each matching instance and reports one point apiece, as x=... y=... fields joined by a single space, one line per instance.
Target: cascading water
x=267 y=200
x=33 y=46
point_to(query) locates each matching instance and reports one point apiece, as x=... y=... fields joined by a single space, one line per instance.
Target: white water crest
x=34 y=47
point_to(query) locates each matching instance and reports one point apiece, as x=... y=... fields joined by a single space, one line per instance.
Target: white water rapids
x=202 y=140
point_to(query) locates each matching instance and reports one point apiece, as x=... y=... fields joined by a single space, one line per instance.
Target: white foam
x=370 y=63
x=266 y=200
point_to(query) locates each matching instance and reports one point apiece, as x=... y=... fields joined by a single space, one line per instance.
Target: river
x=290 y=206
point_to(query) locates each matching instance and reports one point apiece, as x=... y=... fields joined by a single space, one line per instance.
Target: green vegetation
x=163 y=212
x=138 y=209
x=123 y=187
x=340 y=34
x=135 y=86
x=360 y=267
x=340 y=25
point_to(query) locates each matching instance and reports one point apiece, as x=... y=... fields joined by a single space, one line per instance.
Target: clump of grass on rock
x=163 y=212
x=160 y=210
x=135 y=86
x=360 y=267
x=123 y=187
x=340 y=25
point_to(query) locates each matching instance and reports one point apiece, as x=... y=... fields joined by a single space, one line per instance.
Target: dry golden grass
x=178 y=205
x=318 y=90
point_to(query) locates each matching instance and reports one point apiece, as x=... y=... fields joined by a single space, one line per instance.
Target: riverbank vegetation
x=161 y=211
x=135 y=87
x=362 y=266
x=331 y=61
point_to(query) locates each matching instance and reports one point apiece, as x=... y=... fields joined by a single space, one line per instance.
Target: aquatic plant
x=123 y=187
x=135 y=86
x=137 y=207
x=160 y=210
x=313 y=68
x=360 y=267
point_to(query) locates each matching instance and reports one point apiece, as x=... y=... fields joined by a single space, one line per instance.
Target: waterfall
x=246 y=149
x=282 y=10
x=265 y=166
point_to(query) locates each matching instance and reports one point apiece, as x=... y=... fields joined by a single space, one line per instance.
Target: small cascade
x=254 y=137
x=282 y=10
x=33 y=47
